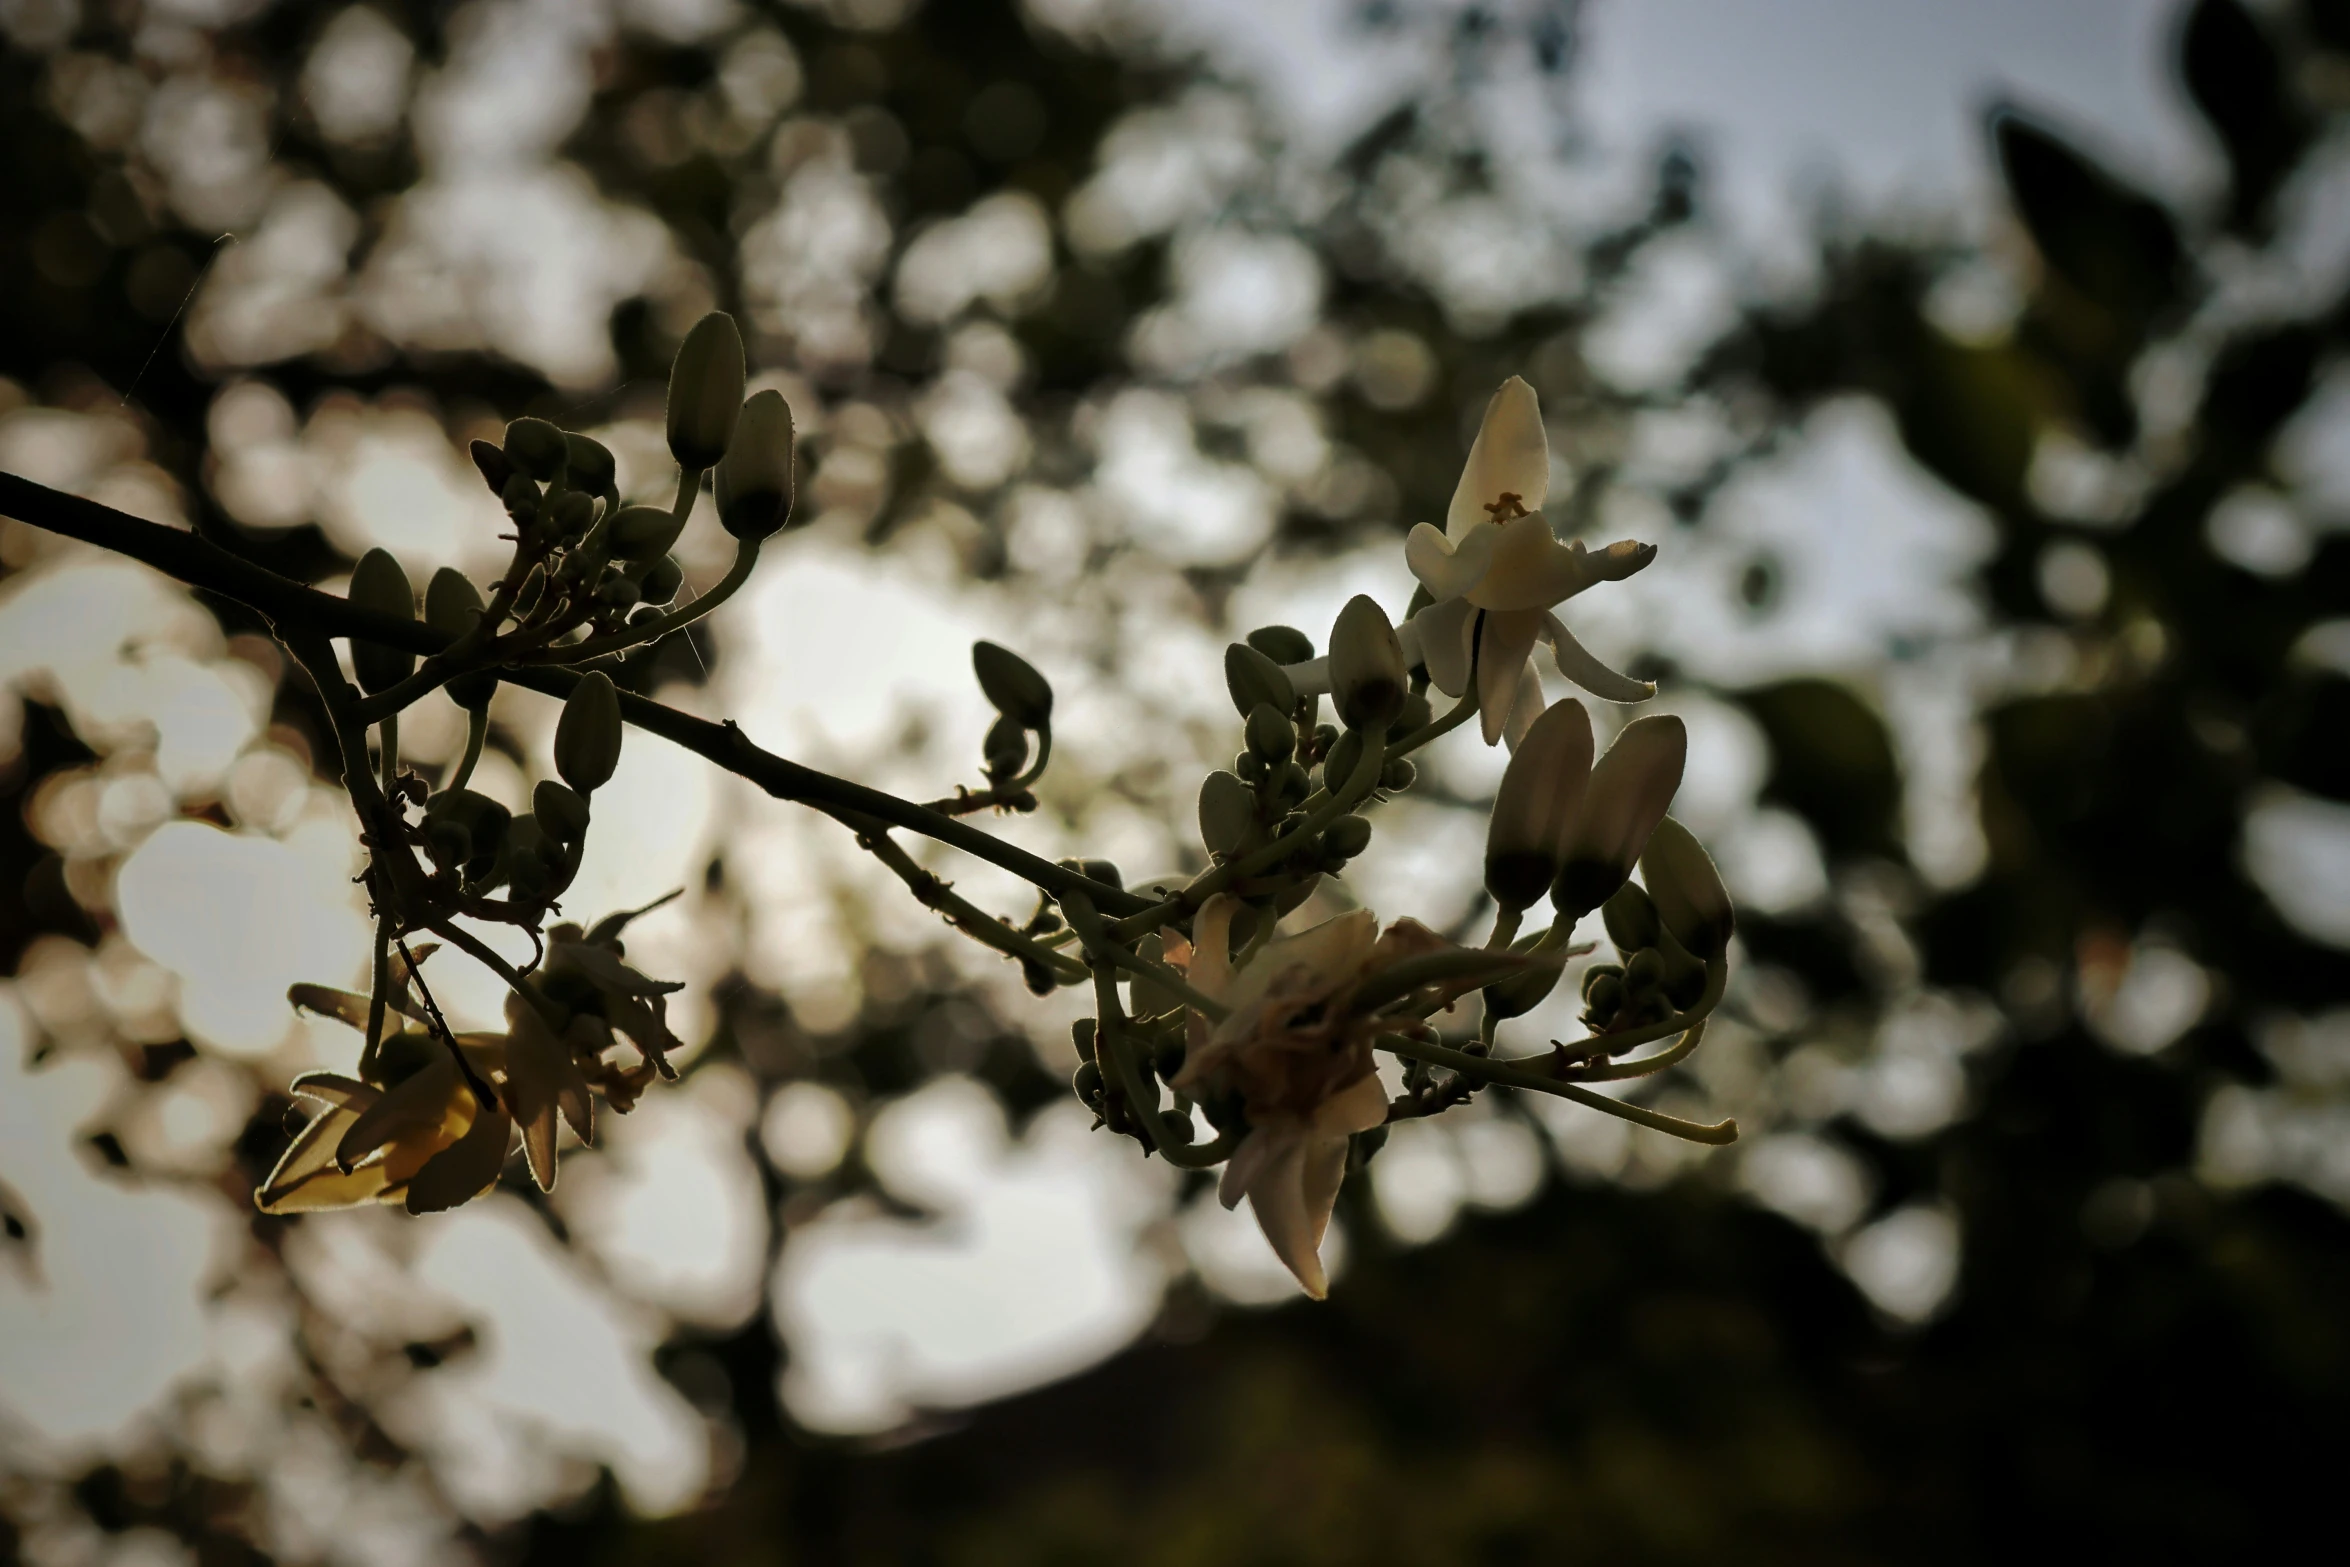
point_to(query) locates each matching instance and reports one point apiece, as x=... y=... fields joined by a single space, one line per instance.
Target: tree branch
x=204 y=565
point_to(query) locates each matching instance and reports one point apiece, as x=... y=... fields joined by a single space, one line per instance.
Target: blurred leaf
x=2232 y=72
x=2110 y=242
x=1831 y=763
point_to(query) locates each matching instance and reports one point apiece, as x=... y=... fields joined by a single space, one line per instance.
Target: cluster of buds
x=432 y=1114
x=1218 y=1038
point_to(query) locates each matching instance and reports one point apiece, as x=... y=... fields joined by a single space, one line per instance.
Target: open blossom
x=1297 y=1056
x=1496 y=571
x=424 y=1142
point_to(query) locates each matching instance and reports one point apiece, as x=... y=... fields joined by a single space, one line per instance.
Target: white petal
x=1211 y=946
x=1327 y=952
x=1311 y=678
x=1511 y=456
x=1588 y=672
x=1530 y=569
x=1443 y=631
x=1278 y=1198
x=1258 y=1151
x=1525 y=707
x=1503 y=647
x=1448 y=567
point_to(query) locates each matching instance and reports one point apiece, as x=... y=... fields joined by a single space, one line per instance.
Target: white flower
x=1297 y=1056
x=1496 y=570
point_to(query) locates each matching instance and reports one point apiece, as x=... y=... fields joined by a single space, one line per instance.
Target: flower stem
x=1511 y=1075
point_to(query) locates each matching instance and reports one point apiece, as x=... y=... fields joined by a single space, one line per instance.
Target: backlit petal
x=1530 y=568
x=1450 y=567
x=1511 y=456
x=1444 y=643
x=1503 y=647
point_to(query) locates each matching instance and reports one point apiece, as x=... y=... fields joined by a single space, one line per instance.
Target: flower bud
x=1631 y=919
x=1270 y=733
x=642 y=533
x=1690 y=899
x=496 y=469
x=587 y=737
x=560 y=811
x=1522 y=993
x=481 y=820
x=533 y=862
x=705 y=392
x=1599 y=971
x=1282 y=644
x=1398 y=775
x=1256 y=681
x=1013 y=686
x=1104 y=871
x=1347 y=837
x=1293 y=785
x=1086 y=1084
x=520 y=497
x=1005 y=748
x=589 y=462
x=451 y=602
x=1627 y=796
x=1081 y=1035
x=1339 y=763
x=1644 y=971
x=661 y=580
x=537 y=448
x=573 y=512
x=1541 y=790
x=1416 y=714
x=1366 y=665
x=1227 y=812
x=754 y=481
x=378 y=584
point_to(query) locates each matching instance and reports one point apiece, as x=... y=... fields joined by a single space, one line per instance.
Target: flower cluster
x=1218 y=1037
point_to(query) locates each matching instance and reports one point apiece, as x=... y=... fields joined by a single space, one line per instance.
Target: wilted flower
x=425 y=1142
x=1296 y=1053
x=1495 y=570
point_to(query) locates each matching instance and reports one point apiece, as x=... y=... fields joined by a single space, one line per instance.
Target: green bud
x=482 y=820
x=451 y=602
x=1103 y=871
x=619 y=591
x=1599 y=971
x=1416 y=714
x=1005 y=749
x=1366 y=666
x=532 y=861
x=706 y=391
x=1013 y=686
x=661 y=580
x=521 y=497
x=1176 y=1127
x=1631 y=919
x=573 y=512
x=1688 y=890
x=1541 y=792
x=1282 y=644
x=1347 y=837
x=561 y=812
x=1227 y=813
x=379 y=585
x=587 y=737
x=1622 y=803
x=537 y=448
x=1086 y=1083
x=1398 y=775
x=1250 y=766
x=1345 y=755
x=1522 y=993
x=754 y=481
x=1644 y=971
x=1256 y=681
x=1684 y=974
x=589 y=462
x=1603 y=998
x=1270 y=733
x=1081 y=1035
x=642 y=533
x=448 y=842
x=497 y=470
x=1294 y=785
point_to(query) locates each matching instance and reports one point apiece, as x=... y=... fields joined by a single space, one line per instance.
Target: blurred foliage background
x=2039 y=1036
